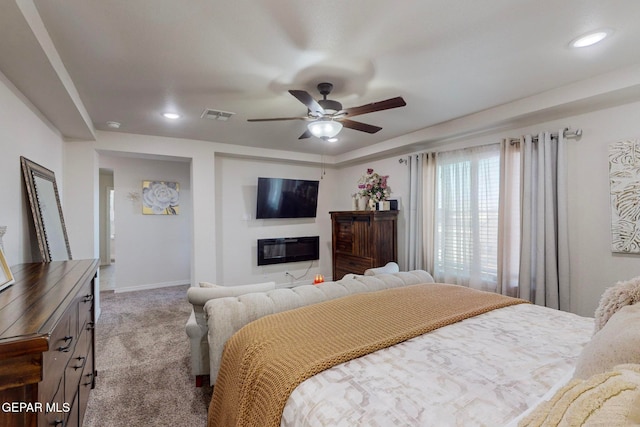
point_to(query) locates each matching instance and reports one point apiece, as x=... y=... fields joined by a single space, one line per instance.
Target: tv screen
x=287 y=198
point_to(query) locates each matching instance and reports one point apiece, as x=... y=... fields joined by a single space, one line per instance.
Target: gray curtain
x=414 y=230
x=509 y=220
x=420 y=223
x=544 y=253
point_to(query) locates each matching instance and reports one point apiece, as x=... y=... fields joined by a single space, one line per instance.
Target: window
x=466 y=217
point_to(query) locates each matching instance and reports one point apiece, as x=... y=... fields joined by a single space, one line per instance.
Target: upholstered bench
x=225 y=316
x=196 y=327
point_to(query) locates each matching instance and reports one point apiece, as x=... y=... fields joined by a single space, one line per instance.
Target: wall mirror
x=42 y=192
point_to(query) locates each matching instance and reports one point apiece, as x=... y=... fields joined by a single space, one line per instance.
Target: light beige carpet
x=142 y=358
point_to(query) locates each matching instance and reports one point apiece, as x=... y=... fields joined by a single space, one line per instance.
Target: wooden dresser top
x=31 y=307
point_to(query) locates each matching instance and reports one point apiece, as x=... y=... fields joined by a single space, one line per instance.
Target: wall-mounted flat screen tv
x=287 y=198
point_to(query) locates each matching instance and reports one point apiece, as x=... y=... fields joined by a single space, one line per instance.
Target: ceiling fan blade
x=375 y=106
x=277 y=118
x=305 y=135
x=306 y=99
x=363 y=127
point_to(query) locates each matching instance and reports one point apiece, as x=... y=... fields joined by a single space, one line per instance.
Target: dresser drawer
x=351 y=264
x=76 y=365
x=85 y=306
x=61 y=346
x=55 y=410
x=86 y=384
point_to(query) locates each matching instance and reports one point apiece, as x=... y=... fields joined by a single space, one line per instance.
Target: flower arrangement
x=374 y=186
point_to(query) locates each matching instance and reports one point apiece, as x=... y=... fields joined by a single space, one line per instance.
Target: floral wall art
x=160 y=198
x=624 y=180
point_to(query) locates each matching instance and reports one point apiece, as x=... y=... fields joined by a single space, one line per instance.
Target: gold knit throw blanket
x=268 y=358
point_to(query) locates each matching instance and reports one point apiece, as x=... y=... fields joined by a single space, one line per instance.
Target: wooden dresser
x=362 y=240
x=47 y=365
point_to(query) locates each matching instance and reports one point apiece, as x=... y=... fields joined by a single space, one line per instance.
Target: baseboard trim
x=151 y=286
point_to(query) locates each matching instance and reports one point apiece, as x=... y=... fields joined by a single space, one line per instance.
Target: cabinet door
x=353 y=235
x=384 y=241
x=343 y=233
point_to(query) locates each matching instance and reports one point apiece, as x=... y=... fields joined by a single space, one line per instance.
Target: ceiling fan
x=326 y=117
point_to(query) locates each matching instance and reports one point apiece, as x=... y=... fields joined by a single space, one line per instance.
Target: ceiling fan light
x=324 y=129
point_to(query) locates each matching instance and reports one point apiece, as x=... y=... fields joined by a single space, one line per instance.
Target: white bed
x=493 y=369
x=483 y=371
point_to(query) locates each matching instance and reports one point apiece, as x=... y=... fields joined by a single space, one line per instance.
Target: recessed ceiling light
x=590 y=38
x=171 y=116
x=113 y=125
x=332 y=140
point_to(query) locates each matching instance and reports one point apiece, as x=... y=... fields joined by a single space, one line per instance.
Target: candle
x=318 y=279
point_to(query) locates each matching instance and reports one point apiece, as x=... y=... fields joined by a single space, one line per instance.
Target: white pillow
x=390 y=267
x=616 y=343
x=614 y=298
x=609 y=399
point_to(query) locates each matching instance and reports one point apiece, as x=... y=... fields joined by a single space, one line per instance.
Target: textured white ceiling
x=132 y=60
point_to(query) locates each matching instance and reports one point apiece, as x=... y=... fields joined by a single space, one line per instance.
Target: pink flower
x=369 y=171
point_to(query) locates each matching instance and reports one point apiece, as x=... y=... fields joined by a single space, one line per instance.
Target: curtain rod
x=567 y=133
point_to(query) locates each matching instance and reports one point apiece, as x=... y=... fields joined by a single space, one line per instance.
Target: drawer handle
x=90 y=375
x=90 y=326
x=87 y=298
x=80 y=359
x=58 y=422
x=66 y=348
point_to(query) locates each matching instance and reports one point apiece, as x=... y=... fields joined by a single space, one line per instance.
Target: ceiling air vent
x=216 y=114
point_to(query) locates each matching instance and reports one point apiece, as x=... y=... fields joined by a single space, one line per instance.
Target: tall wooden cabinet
x=47 y=342
x=362 y=240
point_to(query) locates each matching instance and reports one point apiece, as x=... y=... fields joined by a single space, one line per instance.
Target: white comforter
x=483 y=371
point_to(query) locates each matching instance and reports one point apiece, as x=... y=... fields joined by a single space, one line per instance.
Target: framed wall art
x=6 y=278
x=160 y=198
x=624 y=181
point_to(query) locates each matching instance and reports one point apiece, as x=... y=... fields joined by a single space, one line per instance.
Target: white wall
x=105 y=184
x=82 y=190
x=593 y=266
x=23 y=132
x=201 y=156
x=153 y=250
x=238 y=230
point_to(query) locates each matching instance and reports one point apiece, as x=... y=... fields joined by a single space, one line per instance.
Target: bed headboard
x=225 y=316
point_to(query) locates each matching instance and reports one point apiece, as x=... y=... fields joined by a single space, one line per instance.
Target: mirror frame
x=30 y=171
